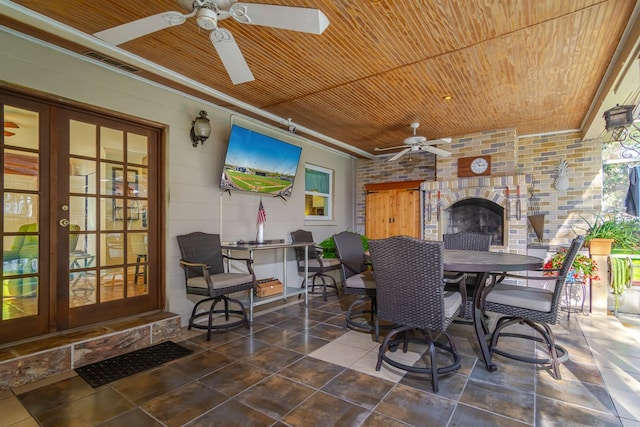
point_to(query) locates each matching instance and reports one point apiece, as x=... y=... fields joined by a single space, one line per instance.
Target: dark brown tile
x=573 y=371
x=193 y=346
x=338 y=321
x=303 y=343
x=416 y=407
x=244 y=347
x=465 y=416
x=327 y=332
x=323 y=410
x=235 y=378
x=551 y=412
x=149 y=384
x=275 y=396
x=356 y=387
x=379 y=420
x=272 y=318
x=297 y=324
x=510 y=373
x=255 y=327
x=449 y=385
x=312 y=372
x=511 y=402
x=62 y=392
x=273 y=358
x=217 y=339
x=184 y=404
x=233 y=414
x=273 y=334
x=201 y=364
x=89 y=410
x=319 y=316
x=134 y=417
x=584 y=394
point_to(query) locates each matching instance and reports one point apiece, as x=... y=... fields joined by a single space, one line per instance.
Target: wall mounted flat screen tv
x=259 y=164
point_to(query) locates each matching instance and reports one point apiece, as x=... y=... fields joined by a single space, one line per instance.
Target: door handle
x=64 y=222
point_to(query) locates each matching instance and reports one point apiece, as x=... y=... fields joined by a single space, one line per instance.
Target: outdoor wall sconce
x=620 y=115
x=619 y=120
x=200 y=129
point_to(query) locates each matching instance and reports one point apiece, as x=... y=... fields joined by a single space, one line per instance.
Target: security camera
x=292 y=127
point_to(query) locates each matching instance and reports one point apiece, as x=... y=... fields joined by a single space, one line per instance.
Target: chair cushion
x=363 y=280
x=220 y=281
x=521 y=296
x=452 y=301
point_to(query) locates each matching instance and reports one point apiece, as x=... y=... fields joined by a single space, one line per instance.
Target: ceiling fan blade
x=141 y=27
x=439 y=141
x=302 y=19
x=231 y=56
x=389 y=148
x=436 y=151
x=399 y=154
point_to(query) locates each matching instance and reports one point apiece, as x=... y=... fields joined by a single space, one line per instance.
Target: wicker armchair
x=316 y=264
x=470 y=242
x=535 y=307
x=202 y=260
x=410 y=293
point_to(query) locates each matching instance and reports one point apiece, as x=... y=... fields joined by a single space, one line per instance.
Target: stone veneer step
x=37 y=359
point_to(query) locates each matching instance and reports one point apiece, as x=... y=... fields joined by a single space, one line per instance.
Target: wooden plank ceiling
x=530 y=65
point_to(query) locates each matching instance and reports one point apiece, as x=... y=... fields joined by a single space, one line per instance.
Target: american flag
x=262 y=214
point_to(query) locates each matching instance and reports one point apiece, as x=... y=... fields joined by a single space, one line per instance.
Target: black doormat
x=115 y=368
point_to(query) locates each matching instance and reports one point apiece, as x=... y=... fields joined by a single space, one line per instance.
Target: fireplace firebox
x=476 y=215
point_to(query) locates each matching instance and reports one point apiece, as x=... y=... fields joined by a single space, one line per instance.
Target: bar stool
x=141 y=268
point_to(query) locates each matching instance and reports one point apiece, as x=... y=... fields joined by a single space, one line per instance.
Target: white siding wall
x=193 y=200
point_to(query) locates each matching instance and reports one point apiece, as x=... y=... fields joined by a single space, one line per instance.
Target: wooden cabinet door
x=406 y=215
x=377 y=215
x=392 y=212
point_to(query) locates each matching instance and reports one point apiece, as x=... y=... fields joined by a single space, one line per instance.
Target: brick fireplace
x=486 y=193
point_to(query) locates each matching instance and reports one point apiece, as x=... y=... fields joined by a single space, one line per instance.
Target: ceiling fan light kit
x=209 y=13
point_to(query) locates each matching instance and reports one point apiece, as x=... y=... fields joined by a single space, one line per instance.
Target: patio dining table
x=483 y=263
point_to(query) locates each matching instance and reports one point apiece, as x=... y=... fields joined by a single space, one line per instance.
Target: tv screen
x=259 y=163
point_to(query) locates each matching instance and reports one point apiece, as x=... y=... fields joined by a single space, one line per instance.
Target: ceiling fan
x=10 y=125
x=209 y=12
x=418 y=143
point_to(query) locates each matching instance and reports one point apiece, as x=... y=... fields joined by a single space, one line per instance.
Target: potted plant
x=328 y=246
x=603 y=233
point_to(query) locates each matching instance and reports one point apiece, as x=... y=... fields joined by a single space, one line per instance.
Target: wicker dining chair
x=534 y=307
x=202 y=261
x=468 y=241
x=410 y=293
x=320 y=267
x=357 y=279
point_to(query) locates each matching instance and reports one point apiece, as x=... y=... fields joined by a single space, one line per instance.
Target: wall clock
x=474 y=166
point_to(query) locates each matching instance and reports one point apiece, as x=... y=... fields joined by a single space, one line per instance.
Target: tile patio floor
x=299 y=367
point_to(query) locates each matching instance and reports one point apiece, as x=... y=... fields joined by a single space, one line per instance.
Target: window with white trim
x=318 y=193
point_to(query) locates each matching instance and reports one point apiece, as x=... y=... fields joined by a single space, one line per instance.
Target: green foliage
x=622 y=229
x=328 y=246
x=583 y=266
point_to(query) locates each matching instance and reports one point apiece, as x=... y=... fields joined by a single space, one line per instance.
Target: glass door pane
x=108 y=200
x=24 y=255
